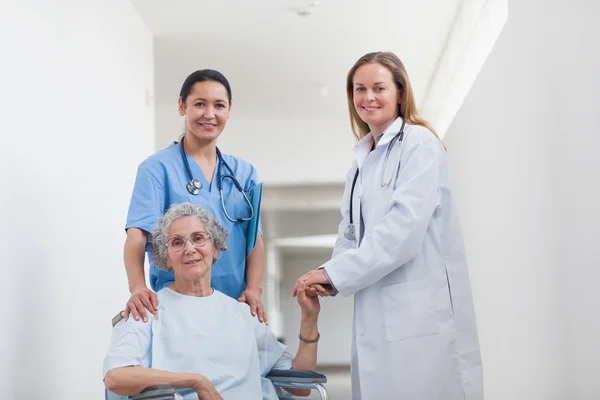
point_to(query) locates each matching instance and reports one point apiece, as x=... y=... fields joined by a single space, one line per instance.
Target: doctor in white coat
x=400 y=251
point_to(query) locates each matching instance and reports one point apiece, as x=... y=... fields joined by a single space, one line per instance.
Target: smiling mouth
x=370 y=108
x=192 y=262
x=208 y=125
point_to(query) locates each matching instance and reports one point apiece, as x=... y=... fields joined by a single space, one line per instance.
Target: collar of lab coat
x=363 y=147
x=389 y=132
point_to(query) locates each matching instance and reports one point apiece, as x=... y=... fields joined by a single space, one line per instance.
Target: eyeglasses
x=198 y=239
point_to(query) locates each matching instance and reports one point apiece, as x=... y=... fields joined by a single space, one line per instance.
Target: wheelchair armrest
x=158 y=392
x=296 y=376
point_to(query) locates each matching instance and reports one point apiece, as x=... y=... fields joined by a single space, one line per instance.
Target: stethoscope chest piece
x=194 y=186
x=349 y=232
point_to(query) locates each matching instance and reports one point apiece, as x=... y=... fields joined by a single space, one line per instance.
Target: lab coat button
x=362 y=334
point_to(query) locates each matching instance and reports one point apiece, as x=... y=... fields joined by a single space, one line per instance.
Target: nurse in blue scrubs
x=162 y=180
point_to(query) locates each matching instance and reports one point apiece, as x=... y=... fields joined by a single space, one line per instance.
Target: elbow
x=303 y=392
x=115 y=382
x=111 y=381
x=299 y=392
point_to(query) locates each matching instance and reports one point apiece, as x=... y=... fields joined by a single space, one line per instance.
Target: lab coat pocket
x=408 y=311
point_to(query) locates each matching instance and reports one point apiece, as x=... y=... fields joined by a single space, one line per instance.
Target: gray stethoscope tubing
x=194 y=185
x=350 y=232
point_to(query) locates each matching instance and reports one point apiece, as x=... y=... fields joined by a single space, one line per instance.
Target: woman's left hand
x=254 y=299
x=309 y=303
x=316 y=283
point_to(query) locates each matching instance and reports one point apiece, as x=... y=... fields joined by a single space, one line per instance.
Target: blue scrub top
x=161 y=182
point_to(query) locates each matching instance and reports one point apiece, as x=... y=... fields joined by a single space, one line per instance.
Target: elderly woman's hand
x=205 y=389
x=141 y=300
x=253 y=297
x=309 y=303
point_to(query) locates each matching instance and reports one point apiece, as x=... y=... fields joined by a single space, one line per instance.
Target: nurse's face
x=375 y=96
x=193 y=260
x=206 y=110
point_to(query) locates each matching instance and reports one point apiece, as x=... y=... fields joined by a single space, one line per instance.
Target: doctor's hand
x=315 y=282
x=253 y=297
x=141 y=299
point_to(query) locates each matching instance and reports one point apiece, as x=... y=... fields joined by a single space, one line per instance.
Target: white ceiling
x=277 y=62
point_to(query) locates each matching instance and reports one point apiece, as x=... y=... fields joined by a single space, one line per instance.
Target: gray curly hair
x=159 y=238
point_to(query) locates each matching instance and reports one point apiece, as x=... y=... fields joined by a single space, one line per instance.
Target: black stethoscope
x=194 y=185
x=350 y=232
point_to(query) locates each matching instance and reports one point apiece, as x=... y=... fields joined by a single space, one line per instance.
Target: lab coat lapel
x=361 y=151
x=390 y=132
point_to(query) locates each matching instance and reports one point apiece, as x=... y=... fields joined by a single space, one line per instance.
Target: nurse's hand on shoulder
x=253 y=297
x=141 y=299
x=315 y=283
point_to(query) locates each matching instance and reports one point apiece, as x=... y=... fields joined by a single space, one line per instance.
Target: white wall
x=335 y=319
x=577 y=98
x=283 y=150
x=524 y=153
x=474 y=32
x=74 y=126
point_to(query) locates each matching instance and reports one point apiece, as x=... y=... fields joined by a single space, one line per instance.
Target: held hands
x=309 y=303
x=141 y=299
x=314 y=282
x=253 y=297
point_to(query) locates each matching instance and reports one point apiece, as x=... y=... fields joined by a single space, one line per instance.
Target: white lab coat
x=414 y=330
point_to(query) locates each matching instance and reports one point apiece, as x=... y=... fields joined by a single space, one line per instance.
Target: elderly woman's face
x=190 y=248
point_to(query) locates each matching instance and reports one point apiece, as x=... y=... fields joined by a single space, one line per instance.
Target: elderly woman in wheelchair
x=204 y=344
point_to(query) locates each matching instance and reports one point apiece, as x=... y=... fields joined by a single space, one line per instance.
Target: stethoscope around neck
x=350 y=231
x=194 y=185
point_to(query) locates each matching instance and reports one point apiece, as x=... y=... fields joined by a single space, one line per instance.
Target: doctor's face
x=190 y=249
x=375 y=96
x=206 y=110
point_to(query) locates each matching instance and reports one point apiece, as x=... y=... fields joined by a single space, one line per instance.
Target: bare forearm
x=306 y=357
x=255 y=265
x=133 y=256
x=129 y=381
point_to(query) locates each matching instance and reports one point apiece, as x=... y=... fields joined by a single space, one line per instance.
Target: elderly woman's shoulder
x=233 y=303
x=166 y=295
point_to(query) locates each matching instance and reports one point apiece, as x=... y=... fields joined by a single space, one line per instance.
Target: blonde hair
x=406 y=107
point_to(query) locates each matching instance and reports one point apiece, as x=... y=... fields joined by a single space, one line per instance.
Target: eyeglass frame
x=187 y=239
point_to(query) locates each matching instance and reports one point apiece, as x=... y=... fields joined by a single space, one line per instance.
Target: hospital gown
x=215 y=336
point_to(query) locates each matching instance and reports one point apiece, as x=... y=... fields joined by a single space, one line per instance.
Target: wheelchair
x=281 y=379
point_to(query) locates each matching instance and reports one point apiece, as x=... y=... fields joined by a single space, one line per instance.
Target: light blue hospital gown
x=215 y=336
x=161 y=182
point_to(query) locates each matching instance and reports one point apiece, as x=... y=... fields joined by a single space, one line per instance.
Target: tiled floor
x=338 y=383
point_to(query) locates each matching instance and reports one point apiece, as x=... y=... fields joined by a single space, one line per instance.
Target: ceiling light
x=308 y=10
